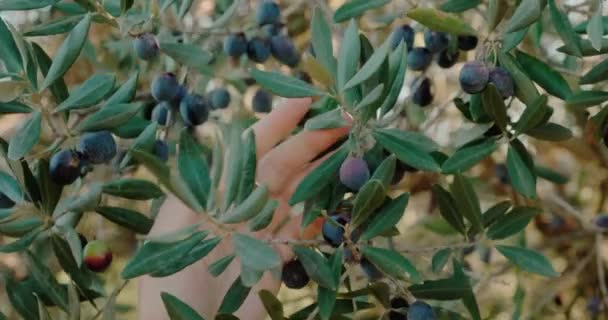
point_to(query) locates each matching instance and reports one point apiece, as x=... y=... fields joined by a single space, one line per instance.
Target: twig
x=113 y=296
x=567 y=207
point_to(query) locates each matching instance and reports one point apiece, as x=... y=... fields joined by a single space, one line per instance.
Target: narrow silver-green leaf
x=285 y=86
x=90 y=92
x=371 y=65
x=386 y=217
x=177 y=309
x=355 y=8
x=528 y=260
x=468 y=156
x=564 y=29
x=255 y=253
x=466 y=200
x=26 y=137
x=526 y=13
x=521 y=169
x=321 y=41
x=68 y=52
x=187 y=54
x=193 y=167
x=109 y=117
x=350 y=51
x=441 y=21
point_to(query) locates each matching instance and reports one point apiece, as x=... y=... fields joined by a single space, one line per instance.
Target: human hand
x=283 y=161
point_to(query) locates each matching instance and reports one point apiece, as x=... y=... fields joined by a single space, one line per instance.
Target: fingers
x=278 y=124
x=291 y=156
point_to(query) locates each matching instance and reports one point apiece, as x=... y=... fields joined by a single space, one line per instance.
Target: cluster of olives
x=420 y=58
x=93 y=148
x=266 y=41
x=476 y=75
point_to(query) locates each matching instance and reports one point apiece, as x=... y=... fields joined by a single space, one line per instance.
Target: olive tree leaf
x=92 y=91
x=526 y=13
x=127 y=218
x=355 y=8
x=130 y=188
x=392 y=263
x=511 y=223
x=234 y=298
x=26 y=137
x=321 y=41
x=318 y=178
x=469 y=155
x=521 y=169
x=316 y=266
x=187 y=54
x=193 y=167
x=441 y=21
x=371 y=65
x=18 y=5
x=466 y=200
x=254 y=253
x=109 y=117
x=595 y=28
x=284 y=86
x=544 y=75
x=528 y=260
x=177 y=309
x=68 y=51
x=459 y=5
x=564 y=29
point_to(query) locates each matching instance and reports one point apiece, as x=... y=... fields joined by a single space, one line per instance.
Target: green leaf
x=466 y=200
x=585 y=99
x=494 y=106
x=264 y=217
x=459 y=5
x=125 y=93
x=68 y=51
x=528 y=260
x=470 y=303
x=521 y=169
x=550 y=132
x=48 y=284
x=350 y=52
x=526 y=13
x=396 y=83
x=20 y=244
x=369 y=198
x=177 y=309
x=447 y=208
x=93 y=90
x=512 y=40
x=234 y=169
x=452 y=288
x=409 y=147
x=249 y=208
x=125 y=5
x=564 y=29
x=392 y=263
x=440 y=258
x=249 y=166
x=595 y=29
x=154 y=256
x=532 y=116
x=26 y=137
x=321 y=41
x=316 y=266
x=187 y=54
x=326 y=297
x=192 y=166
x=511 y=223
x=135 y=189
x=22 y=298
x=469 y=155
x=8 y=51
x=16 y=5
x=549 y=79
x=494 y=212
x=14 y=107
x=386 y=171
x=496 y=11
x=441 y=21
x=586 y=48
x=218 y=266
x=198 y=252
x=525 y=89
x=50 y=191
x=58 y=88
x=57 y=26
x=109 y=117
x=371 y=65
x=370 y=98
x=550 y=175
x=273 y=306
x=321 y=176
x=598 y=73
x=284 y=86
x=254 y=253
x=10 y=187
x=234 y=298
x=328 y=120
x=355 y=8
x=127 y=218
x=387 y=217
